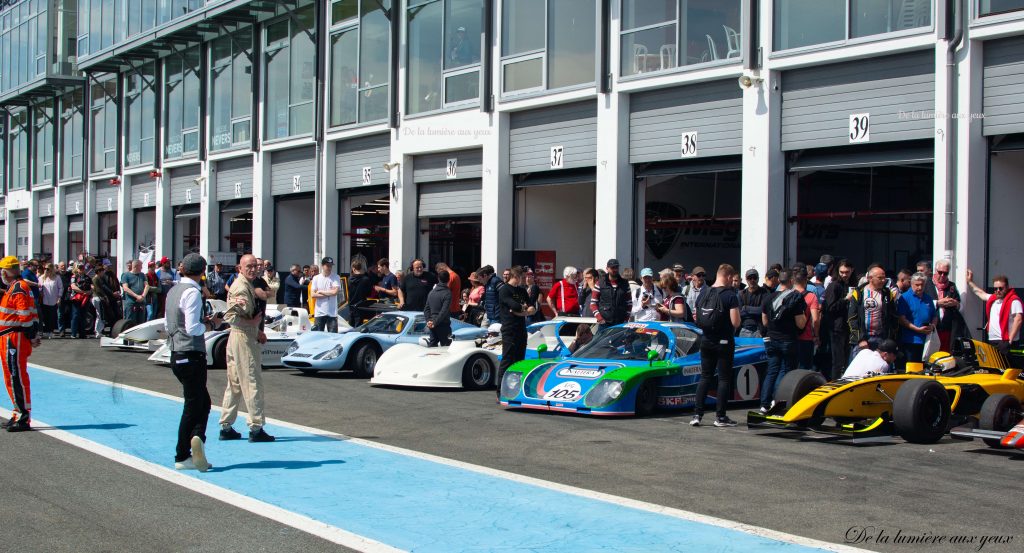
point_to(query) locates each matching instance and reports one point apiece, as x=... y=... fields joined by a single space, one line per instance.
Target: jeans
x=715 y=356
x=326 y=323
x=135 y=312
x=190 y=369
x=747 y=333
x=781 y=359
x=805 y=354
x=78 y=317
x=63 y=315
x=150 y=311
x=97 y=304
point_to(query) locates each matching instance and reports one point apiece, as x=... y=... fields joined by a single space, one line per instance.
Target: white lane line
x=572 y=490
x=300 y=522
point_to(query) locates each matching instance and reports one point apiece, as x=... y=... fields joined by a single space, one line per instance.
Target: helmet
x=940 y=362
x=10 y=262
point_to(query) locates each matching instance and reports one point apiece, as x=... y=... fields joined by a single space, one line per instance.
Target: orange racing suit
x=19 y=322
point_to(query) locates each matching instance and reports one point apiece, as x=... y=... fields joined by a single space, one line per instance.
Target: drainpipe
x=956 y=13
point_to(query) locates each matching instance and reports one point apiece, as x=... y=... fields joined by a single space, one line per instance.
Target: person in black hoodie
x=436 y=312
x=360 y=287
x=834 y=312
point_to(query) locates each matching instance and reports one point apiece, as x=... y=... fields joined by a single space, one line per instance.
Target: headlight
x=332 y=353
x=604 y=393
x=511 y=383
x=291 y=348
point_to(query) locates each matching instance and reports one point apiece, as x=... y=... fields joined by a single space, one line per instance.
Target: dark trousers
x=805 y=354
x=49 y=316
x=326 y=323
x=840 y=353
x=441 y=335
x=63 y=315
x=190 y=369
x=513 y=349
x=781 y=359
x=715 y=357
x=911 y=353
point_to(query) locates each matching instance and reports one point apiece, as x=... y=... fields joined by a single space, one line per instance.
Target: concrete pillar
x=91 y=218
x=404 y=225
x=763 y=207
x=164 y=218
x=496 y=238
x=60 y=224
x=209 y=212
x=125 y=223
x=614 y=189
x=262 y=207
x=35 y=240
x=330 y=229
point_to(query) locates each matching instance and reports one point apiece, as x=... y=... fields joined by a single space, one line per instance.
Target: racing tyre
x=478 y=373
x=121 y=326
x=1000 y=412
x=646 y=398
x=364 y=359
x=220 y=354
x=921 y=411
x=797 y=384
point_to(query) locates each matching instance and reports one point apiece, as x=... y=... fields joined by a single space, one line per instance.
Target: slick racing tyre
x=220 y=354
x=921 y=411
x=121 y=326
x=999 y=412
x=646 y=398
x=478 y=373
x=797 y=384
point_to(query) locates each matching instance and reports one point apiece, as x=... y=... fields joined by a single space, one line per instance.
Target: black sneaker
x=19 y=426
x=260 y=436
x=229 y=434
x=724 y=421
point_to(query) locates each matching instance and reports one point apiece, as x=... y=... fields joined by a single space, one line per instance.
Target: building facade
x=494 y=131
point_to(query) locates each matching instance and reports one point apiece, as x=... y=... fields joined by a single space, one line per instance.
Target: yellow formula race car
x=976 y=387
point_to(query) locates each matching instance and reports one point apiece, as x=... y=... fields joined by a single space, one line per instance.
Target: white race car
x=150 y=335
x=283 y=325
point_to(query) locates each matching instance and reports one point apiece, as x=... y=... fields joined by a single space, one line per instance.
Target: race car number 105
x=566 y=391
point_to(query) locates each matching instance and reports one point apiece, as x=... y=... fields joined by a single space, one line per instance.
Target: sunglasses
x=698 y=275
x=1000 y=288
x=942 y=272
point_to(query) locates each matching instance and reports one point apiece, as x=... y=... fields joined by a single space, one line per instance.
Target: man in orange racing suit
x=19 y=324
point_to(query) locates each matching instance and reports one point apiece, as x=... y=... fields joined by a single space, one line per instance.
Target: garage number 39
x=566 y=391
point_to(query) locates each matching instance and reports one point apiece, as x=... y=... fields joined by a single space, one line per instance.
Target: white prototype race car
x=150 y=335
x=283 y=324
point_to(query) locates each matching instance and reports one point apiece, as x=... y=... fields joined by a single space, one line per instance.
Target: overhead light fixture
x=155 y=174
x=389 y=165
x=746 y=81
x=115 y=181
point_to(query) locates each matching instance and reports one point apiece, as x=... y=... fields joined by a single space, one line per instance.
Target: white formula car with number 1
x=150 y=335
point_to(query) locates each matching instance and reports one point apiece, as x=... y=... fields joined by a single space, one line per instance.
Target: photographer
x=647 y=298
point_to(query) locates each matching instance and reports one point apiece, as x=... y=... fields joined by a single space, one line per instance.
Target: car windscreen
x=687 y=341
x=383 y=324
x=626 y=343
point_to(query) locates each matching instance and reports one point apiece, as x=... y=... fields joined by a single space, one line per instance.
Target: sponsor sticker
x=580 y=373
x=691 y=370
x=566 y=391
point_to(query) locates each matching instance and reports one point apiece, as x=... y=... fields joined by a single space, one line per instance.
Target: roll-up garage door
x=449 y=199
x=1001 y=87
x=360 y=161
x=21 y=227
x=711 y=113
x=569 y=129
x=47 y=225
x=74 y=199
x=896 y=92
x=463 y=164
x=233 y=178
x=45 y=204
x=106 y=196
x=143 y=191
x=293 y=171
x=184 y=190
x=76 y=223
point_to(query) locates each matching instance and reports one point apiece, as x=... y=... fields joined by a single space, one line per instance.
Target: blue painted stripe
x=403 y=501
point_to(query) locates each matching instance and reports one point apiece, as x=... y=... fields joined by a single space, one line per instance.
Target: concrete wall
x=559 y=218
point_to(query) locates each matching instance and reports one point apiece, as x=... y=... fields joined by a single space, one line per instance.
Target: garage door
x=184 y=189
x=74 y=199
x=233 y=178
x=143 y=191
x=45 y=203
x=570 y=129
x=106 y=196
x=47 y=226
x=463 y=164
x=293 y=171
x=449 y=199
x=711 y=113
x=1003 y=81
x=360 y=162
x=21 y=227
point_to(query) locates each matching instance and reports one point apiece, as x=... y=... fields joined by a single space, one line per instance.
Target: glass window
x=140 y=115
x=103 y=125
x=800 y=23
x=547 y=44
x=19 y=150
x=642 y=13
x=704 y=31
x=425 y=57
x=42 y=143
x=992 y=7
x=72 y=120
x=23 y=34
x=360 y=54
x=873 y=17
x=181 y=95
x=231 y=90
x=290 y=75
x=444 y=51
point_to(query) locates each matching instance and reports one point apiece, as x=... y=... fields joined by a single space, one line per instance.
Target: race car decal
x=566 y=391
x=573 y=372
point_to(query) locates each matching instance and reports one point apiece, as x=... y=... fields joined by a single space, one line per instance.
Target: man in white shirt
x=1003 y=309
x=868 y=361
x=324 y=290
x=646 y=298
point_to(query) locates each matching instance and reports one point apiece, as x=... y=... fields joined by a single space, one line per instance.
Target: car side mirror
x=652 y=355
x=542 y=348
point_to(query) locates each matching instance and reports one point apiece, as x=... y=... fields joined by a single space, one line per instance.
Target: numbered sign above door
x=688 y=144
x=860 y=128
x=451 y=168
x=557 y=157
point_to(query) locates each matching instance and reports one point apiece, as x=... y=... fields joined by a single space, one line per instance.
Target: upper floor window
x=19 y=150
x=290 y=75
x=3 y=154
x=103 y=125
x=360 y=61
x=140 y=115
x=141 y=16
x=72 y=120
x=993 y=7
x=23 y=33
x=182 y=96
x=42 y=142
x=444 y=53
x=231 y=90
x=664 y=34
x=547 y=44
x=800 y=23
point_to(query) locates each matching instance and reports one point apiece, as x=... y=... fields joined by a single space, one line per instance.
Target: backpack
x=710 y=316
x=787 y=301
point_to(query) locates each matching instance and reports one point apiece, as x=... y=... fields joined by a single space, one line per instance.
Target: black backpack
x=710 y=316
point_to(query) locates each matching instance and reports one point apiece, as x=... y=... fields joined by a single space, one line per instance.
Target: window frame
x=849 y=40
x=179 y=84
x=215 y=69
x=18 y=139
x=72 y=124
x=355 y=24
x=445 y=73
x=510 y=59
x=979 y=18
x=270 y=50
x=108 y=113
x=43 y=129
x=138 y=96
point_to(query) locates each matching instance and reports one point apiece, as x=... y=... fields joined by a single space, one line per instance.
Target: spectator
x=31 y=278
x=737 y=283
x=293 y=287
x=718 y=318
x=583 y=337
x=103 y=301
x=506 y=274
x=586 y=290
x=261 y=290
x=314 y=270
x=153 y=295
x=674 y=306
x=873 y=361
x=216 y=282
x=533 y=296
x=304 y=280
x=951 y=323
x=360 y=287
x=771 y=279
x=821 y=280
x=324 y=291
x=829 y=263
x=64 y=311
x=784 y=318
x=917 y=316
x=513 y=310
x=646 y=298
x=492 y=284
x=563 y=297
x=1004 y=312
x=679 y=272
x=474 y=310
x=903 y=281
x=412 y=294
x=167 y=277
x=51 y=288
x=273 y=281
x=809 y=335
x=696 y=289
x=387 y=288
x=752 y=300
x=134 y=290
x=454 y=286
x=872 y=311
x=925 y=267
x=81 y=286
x=834 y=320
x=629 y=276
x=437 y=312
x=610 y=301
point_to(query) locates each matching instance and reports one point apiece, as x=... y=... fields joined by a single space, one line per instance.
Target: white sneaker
x=764 y=410
x=187 y=464
x=695 y=421
x=199 y=455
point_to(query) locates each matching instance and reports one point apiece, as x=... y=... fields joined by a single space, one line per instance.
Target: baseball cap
x=772 y=273
x=327 y=261
x=107 y=263
x=164 y=260
x=647 y=272
x=821 y=269
x=679 y=267
x=698 y=270
x=194 y=264
x=887 y=346
x=751 y=273
x=612 y=263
